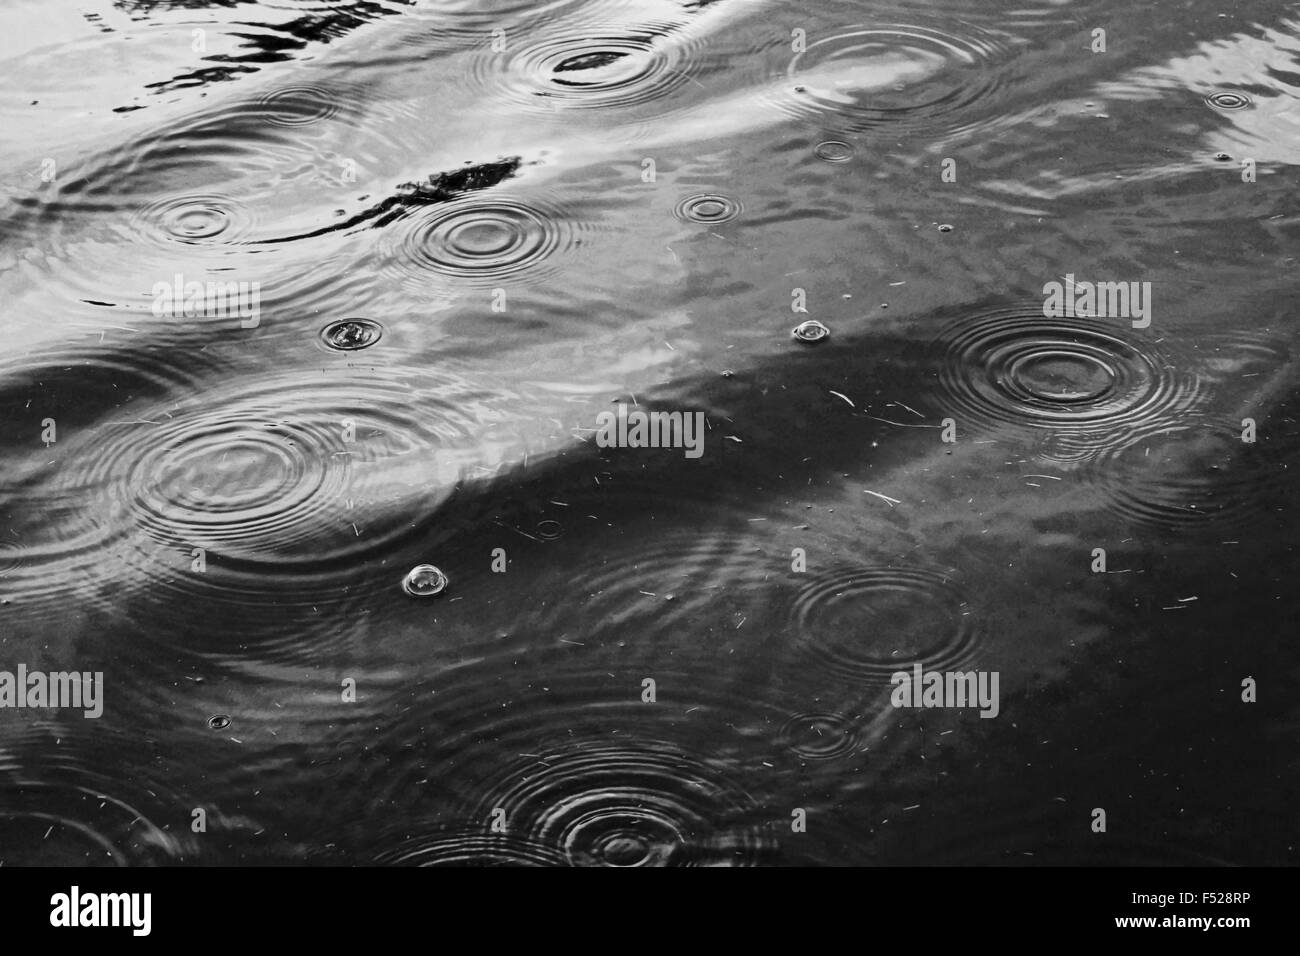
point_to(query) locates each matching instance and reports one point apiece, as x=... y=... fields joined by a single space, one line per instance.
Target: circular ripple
x=819 y=736
x=45 y=824
x=349 y=335
x=1084 y=377
x=868 y=623
x=549 y=529
x=11 y=557
x=470 y=848
x=298 y=105
x=470 y=23
x=833 y=151
x=593 y=66
x=195 y=220
x=1229 y=100
x=901 y=76
x=254 y=499
x=674 y=580
x=1193 y=475
x=642 y=804
x=485 y=241
x=237 y=486
x=708 y=209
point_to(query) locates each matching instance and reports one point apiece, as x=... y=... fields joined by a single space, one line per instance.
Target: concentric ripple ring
x=867 y=623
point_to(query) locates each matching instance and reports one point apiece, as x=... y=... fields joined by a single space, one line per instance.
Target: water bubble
x=424 y=580
x=945 y=227
x=810 y=331
x=349 y=335
x=549 y=529
x=708 y=209
x=219 y=721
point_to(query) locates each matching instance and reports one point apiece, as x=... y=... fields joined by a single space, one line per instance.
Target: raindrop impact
x=349 y=335
x=708 y=209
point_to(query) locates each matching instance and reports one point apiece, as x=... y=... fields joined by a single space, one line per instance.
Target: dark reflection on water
x=312 y=310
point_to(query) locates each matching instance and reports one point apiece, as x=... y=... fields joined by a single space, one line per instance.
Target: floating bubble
x=219 y=721
x=424 y=580
x=708 y=209
x=945 y=227
x=810 y=331
x=549 y=529
x=349 y=335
